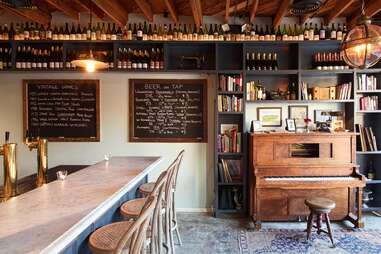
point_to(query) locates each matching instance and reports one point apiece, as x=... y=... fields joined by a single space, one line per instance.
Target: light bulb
x=90 y=66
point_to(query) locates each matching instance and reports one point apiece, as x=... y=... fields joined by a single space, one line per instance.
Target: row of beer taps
x=8 y=151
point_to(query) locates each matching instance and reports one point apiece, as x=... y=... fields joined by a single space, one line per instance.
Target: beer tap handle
x=6 y=137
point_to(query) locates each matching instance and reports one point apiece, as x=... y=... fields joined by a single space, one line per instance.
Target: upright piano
x=287 y=168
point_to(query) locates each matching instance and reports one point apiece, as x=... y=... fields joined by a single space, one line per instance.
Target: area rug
x=294 y=241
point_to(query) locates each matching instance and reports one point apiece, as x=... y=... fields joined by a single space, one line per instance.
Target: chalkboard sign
x=168 y=110
x=62 y=110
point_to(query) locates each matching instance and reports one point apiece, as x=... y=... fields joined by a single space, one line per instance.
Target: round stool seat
x=104 y=240
x=132 y=208
x=146 y=188
x=317 y=203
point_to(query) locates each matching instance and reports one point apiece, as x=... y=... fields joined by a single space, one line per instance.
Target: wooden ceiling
x=118 y=10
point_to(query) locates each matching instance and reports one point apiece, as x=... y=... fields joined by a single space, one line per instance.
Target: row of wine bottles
x=188 y=32
x=329 y=61
x=261 y=61
x=48 y=57
x=5 y=58
x=141 y=59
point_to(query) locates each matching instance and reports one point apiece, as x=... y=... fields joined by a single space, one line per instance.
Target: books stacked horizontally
x=339 y=92
x=229 y=171
x=228 y=103
x=368 y=102
x=229 y=141
x=230 y=83
x=367 y=83
x=367 y=139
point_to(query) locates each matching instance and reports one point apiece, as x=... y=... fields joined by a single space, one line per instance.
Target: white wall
x=195 y=186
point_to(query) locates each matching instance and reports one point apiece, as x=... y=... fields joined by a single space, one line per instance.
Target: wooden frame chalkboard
x=61 y=131
x=194 y=130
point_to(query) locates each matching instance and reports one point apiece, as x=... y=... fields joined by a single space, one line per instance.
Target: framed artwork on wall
x=299 y=113
x=270 y=116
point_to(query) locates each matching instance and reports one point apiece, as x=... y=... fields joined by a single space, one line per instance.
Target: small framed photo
x=299 y=113
x=290 y=125
x=270 y=116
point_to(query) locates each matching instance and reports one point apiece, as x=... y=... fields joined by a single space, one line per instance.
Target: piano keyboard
x=311 y=178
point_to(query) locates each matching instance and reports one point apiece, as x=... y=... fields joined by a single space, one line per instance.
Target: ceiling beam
x=65 y=8
x=172 y=10
x=35 y=15
x=236 y=7
x=227 y=13
x=283 y=8
x=114 y=10
x=371 y=9
x=254 y=9
x=339 y=8
x=197 y=12
x=145 y=7
x=86 y=4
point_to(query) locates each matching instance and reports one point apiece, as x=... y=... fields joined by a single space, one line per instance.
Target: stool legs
x=329 y=227
x=318 y=223
x=309 y=225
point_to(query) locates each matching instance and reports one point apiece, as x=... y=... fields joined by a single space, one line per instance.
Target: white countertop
x=48 y=218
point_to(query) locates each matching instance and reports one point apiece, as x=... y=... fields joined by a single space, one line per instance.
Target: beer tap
x=41 y=144
x=8 y=151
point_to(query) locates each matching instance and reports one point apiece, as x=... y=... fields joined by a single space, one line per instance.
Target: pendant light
x=361 y=47
x=88 y=61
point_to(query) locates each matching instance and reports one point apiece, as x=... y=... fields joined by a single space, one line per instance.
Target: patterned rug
x=294 y=241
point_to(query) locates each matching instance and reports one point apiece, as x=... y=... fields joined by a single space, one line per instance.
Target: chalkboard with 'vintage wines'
x=168 y=110
x=62 y=110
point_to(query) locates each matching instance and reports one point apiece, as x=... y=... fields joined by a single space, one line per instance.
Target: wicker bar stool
x=146 y=189
x=319 y=207
x=125 y=236
x=132 y=208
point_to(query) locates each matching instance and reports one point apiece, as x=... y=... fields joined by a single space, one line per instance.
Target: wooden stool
x=319 y=207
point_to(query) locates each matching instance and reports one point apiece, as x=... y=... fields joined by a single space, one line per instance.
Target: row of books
x=367 y=139
x=230 y=83
x=368 y=102
x=367 y=83
x=339 y=92
x=228 y=103
x=229 y=171
x=229 y=141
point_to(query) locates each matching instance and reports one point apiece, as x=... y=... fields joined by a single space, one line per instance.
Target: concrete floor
x=202 y=233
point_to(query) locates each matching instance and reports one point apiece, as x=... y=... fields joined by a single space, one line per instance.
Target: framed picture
x=290 y=124
x=321 y=116
x=270 y=116
x=299 y=113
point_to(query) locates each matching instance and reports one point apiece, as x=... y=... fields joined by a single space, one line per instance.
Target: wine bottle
x=339 y=33
x=306 y=32
x=160 y=33
x=145 y=32
x=108 y=32
x=73 y=33
x=370 y=172
x=322 y=32
x=333 y=32
x=139 y=32
x=248 y=61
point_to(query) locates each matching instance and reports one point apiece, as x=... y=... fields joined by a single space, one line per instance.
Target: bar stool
x=125 y=236
x=146 y=189
x=132 y=208
x=319 y=207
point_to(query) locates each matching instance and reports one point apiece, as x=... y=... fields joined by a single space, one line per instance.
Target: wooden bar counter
x=58 y=217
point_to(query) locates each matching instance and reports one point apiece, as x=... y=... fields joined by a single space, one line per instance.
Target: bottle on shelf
x=370 y=171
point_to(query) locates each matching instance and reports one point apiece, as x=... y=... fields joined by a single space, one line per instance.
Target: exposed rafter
x=145 y=7
x=371 y=9
x=33 y=15
x=64 y=7
x=235 y=7
x=197 y=11
x=172 y=10
x=114 y=10
x=95 y=10
x=339 y=8
x=227 y=13
x=254 y=9
x=282 y=10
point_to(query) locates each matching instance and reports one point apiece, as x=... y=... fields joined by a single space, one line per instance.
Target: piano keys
x=287 y=168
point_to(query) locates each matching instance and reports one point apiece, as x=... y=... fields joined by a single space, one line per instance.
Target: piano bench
x=319 y=207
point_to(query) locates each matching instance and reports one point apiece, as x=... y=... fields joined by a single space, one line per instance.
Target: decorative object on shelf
x=370 y=174
x=192 y=62
x=270 y=116
x=299 y=113
x=290 y=125
x=307 y=122
x=88 y=61
x=255 y=126
x=361 y=47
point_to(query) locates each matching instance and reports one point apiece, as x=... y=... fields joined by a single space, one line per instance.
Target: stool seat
x=132 y=208
x=146 y=188
x=318 y=203
x=105 y=240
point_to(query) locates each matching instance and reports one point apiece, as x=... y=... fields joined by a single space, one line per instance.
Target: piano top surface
x=314 y=133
